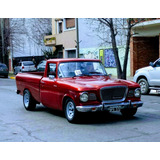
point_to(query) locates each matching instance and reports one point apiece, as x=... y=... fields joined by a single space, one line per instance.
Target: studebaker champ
x=78 y=85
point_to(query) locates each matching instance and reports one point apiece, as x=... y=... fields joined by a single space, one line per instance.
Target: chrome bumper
x=109 y=107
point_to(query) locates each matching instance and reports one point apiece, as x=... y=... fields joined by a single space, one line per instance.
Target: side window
x=51 y=69
x=157 y=64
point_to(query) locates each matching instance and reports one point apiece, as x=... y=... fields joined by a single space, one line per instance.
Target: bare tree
x=37 y=28
x=16 y=30
x=33 y=29
x=115 y=29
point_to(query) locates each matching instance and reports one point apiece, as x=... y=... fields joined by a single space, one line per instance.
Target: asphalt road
x=45 y=125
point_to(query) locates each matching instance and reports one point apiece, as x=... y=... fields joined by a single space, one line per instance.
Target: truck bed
x=30 y=81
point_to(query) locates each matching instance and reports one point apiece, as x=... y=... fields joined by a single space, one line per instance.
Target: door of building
x=71 y=53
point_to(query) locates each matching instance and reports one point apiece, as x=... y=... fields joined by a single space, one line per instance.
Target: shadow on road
x=2 y=77
x=92 y=118
x=152 y=94
x=104 y=118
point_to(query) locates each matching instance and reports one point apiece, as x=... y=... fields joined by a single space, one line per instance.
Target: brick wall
x=143 y=50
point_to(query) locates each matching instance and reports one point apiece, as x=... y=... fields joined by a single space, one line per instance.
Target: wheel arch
x=140 y=77
x=65 y=99
x=27 y=89
x=30 y=94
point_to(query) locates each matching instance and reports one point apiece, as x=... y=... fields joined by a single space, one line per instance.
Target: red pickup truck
x=78 y=85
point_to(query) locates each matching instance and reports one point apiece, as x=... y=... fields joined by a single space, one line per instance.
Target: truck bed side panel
x=30 y=82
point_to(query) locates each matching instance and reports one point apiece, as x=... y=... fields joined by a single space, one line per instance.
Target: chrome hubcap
x=70 y=110
x=143 y=86
x=26 y=99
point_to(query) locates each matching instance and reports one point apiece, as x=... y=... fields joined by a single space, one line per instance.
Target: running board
x=154 y=88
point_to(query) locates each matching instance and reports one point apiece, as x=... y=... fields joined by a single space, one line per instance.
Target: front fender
x=141 y=74
x=71 y=94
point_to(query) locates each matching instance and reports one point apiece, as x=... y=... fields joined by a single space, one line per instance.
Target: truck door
x=155 y=74
x=49 y=88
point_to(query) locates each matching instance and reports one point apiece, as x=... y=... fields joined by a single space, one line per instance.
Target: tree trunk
x=124 y=72
x=115 y=50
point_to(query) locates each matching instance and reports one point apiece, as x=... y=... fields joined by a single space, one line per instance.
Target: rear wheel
x=144 y=86
x=128 y=113
x=71 y=113
x=28 y=101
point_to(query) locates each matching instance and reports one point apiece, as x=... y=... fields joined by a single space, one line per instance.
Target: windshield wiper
x=98 y=73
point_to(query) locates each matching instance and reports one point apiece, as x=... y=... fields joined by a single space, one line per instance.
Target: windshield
x=75 y=69
x=3 y=65
x=28 y=63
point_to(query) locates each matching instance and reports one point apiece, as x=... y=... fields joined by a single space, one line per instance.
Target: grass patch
x=11 y=75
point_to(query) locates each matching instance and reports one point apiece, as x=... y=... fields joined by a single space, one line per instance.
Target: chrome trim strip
x=89 y=108
x=106 y=106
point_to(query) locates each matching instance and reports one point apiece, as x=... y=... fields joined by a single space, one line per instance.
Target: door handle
x=54 y=85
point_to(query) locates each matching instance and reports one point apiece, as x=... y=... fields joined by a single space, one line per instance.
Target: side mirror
x=51 y=77
x=151 y=64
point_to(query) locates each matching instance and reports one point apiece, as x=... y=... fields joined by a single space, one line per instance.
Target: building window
x=69 y=23
x=59 y=27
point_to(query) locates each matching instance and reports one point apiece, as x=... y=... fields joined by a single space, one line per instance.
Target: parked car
x=24 y=66
x=3 y=70
x=149 y=77
x=78 y=85
x=41 y=66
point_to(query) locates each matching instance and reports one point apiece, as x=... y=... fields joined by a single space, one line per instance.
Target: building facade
x=145 y=44
x=63 y=38
x=77 y=37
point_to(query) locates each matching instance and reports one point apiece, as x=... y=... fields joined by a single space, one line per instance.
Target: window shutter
x=70 y=23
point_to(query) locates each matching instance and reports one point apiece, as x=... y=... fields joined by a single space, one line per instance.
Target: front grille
x=114 y=94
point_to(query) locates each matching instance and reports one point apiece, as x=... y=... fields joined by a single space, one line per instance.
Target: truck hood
x=96 y=82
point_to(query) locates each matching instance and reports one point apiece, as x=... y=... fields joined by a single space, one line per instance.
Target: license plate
x=112 y=109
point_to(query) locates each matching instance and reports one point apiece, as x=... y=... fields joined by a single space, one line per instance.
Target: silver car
x=41 y=66
x=24 y=66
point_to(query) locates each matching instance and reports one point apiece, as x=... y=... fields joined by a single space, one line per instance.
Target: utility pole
x=2 y=36
x=77 y=33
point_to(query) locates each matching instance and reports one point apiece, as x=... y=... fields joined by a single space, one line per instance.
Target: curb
x=12 y=77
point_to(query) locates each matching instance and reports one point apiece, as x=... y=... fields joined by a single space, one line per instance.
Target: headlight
x=137 y=92
x=84 y=97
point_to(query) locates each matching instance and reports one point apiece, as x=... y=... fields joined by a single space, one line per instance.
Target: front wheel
x=28 y=101
x=129 y=112
x=71 y=113
x=144 y=86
